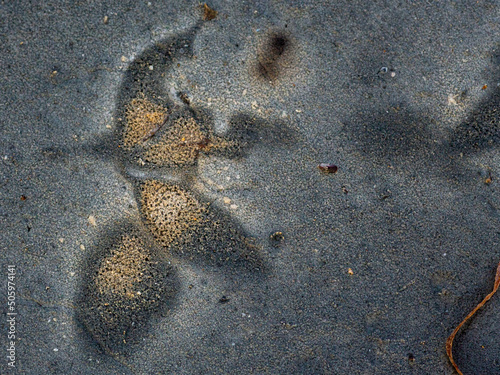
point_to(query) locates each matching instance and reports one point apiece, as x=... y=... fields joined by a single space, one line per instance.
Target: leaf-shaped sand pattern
x=125 y=284
x=170 y=211
x=182 y=144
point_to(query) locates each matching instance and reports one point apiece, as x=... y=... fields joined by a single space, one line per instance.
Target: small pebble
x=223 y=299
x=328 y=168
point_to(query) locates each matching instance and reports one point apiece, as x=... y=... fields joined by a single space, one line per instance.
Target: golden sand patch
x=183 y=143
x=121 y=272
x=170 y=211
x=143 y=119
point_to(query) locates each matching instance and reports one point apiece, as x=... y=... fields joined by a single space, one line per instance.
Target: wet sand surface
x=162 y=203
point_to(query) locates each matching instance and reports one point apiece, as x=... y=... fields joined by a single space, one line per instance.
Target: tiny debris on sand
x=208 y=13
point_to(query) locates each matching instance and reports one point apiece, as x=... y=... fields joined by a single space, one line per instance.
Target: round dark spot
x=278 y=45
x=273 y=56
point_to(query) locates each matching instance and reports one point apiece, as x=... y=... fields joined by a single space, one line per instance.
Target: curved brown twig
x=449 y=342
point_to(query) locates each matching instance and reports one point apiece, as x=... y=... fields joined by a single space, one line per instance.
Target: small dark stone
x=224 y=299
x=328 y=168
